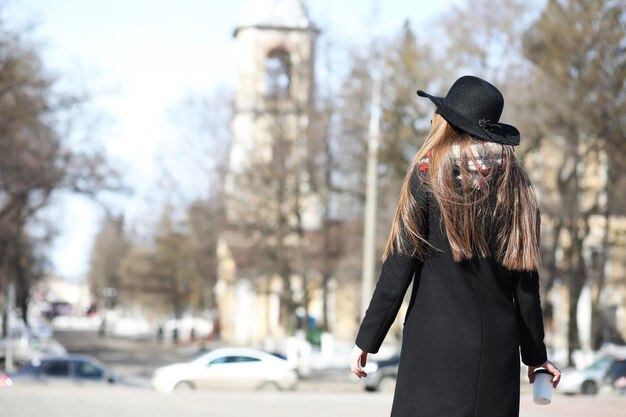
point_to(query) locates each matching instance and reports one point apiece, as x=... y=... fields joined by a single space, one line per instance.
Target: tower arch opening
x=278 y=73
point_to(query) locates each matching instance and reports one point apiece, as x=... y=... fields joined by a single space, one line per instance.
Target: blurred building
x=56 y=289
x=275 y=254
x=70 y=298
x=603 y=251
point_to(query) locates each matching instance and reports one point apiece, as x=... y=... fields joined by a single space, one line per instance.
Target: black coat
x=462 y=332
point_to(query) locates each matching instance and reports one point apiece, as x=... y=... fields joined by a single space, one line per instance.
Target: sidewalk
x=106 y=401
x=603 y=405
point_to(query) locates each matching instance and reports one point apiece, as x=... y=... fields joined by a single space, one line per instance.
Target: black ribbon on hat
x=490 y=129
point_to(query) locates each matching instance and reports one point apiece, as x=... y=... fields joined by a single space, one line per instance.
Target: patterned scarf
x=484 y=158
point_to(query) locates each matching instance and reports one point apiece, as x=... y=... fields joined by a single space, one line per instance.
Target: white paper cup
x=542 y=387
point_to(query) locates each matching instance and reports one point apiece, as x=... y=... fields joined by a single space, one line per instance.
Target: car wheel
x=589 y=388
x=387 y=384
x=184 y=386
x=269 y=386
x=291 y=387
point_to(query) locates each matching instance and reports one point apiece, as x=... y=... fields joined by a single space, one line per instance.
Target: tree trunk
x=288 y=304
x=22 y=304
x=5 y=318
x=577 y=280
x=550 y=263
x=597 y=320
x=325 y=294
x=326 y=224
x=289 y=313
x=573 y=342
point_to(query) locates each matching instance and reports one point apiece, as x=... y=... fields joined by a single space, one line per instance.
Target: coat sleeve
x=395 y=277
x=530 y=317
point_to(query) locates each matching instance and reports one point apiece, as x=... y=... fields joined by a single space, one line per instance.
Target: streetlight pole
x=371 y=196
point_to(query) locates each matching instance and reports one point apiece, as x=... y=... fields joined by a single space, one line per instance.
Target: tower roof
x=282 y=14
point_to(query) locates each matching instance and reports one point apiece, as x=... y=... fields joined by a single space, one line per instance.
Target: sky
x=138 y=59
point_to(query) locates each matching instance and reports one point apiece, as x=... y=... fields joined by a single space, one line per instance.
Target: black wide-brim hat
x=474 y=106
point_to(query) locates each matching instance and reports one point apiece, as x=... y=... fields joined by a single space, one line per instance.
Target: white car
x=227 y=368
x=586 y=381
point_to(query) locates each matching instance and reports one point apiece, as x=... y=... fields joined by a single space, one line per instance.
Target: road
x=138 y=357
x=112 y=401
x=317 y=397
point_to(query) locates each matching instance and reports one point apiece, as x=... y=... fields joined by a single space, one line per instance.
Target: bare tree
x=586 y=70
x=111 y=245
x=36 y=160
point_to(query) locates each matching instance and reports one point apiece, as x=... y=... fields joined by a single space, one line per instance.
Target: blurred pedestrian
x=102 y=330
x=175 y=335
x=466 y=233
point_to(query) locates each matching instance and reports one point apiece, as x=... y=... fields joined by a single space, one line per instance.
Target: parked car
x=227 y=368
x=72 y=368
x=616 y=371
x=588 y=380
x=381 y=374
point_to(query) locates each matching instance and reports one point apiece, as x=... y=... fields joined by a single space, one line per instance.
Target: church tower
x=275 y=55
x=270 y=203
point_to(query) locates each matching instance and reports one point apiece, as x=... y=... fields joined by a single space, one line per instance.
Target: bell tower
x=270 y=202
x=275 y=56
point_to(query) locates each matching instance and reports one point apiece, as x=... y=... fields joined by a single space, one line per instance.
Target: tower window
x=277 y=73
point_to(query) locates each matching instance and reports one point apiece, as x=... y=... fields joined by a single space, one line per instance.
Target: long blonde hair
x=478 y=186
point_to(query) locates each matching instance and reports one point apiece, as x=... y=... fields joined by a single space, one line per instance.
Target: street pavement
x=322 y=395
x=113 y=401
x=127 y=356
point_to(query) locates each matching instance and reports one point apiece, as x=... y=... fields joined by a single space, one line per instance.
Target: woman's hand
x=358 y=359
x=548 y=366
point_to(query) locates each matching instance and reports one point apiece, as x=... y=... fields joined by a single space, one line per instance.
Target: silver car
x=586 y=381
x=381 y=374
x=228 y=368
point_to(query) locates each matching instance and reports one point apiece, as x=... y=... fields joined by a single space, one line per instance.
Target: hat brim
x=497 y=132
